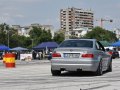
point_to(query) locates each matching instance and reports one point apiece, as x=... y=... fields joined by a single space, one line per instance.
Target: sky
x=47 y=12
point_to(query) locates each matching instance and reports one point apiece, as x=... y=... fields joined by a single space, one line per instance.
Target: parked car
x=80 y=55
x=115 y=54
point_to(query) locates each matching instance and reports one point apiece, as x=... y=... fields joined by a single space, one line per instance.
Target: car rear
x=83 y=60
x=115 y=54
x=75 y=59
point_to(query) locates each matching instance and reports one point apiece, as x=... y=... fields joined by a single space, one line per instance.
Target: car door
x=105 y=57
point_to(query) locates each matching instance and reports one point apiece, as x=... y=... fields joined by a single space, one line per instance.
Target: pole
x=32 y=43
x=101 y=22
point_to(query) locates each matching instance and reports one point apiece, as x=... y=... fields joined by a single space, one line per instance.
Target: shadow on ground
x=78 y=74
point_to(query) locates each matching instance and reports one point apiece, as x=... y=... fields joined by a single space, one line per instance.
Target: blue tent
x=44 y=45
x=116 y=44
x=19 y=49
x=3 y=47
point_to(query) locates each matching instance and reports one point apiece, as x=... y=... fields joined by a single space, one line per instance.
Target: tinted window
x=77 y=43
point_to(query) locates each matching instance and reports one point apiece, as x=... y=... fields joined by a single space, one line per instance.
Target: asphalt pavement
x=36 y=75
x=27 y=62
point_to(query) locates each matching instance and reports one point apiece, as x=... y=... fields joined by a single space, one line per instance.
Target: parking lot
x=36 y=75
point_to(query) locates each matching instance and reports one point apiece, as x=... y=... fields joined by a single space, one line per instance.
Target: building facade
x=117 y=32
x=80 y=32
x=24 y=30
x=74 y=18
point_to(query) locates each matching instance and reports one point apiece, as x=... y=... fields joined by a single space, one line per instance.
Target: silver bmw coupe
x=80 y=55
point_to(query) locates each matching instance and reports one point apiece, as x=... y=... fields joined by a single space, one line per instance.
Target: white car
x=80 y=55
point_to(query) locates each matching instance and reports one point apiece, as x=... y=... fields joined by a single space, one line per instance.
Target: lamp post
x=32 y=42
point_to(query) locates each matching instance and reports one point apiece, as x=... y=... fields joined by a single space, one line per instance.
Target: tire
x=99 y=71
x=55 y=72
x=113 y=57
x=110 y=67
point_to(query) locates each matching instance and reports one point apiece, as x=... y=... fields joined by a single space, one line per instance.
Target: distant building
x=80 y=32
x=35 y=25
x=16 y=27
x=117 y=32
x=74 y=18
x=47 y=27
x=24 y=30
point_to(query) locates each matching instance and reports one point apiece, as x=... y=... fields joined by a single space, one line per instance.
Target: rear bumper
x=88 y=65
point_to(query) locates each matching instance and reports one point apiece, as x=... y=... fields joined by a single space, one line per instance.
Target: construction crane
x=102 y=20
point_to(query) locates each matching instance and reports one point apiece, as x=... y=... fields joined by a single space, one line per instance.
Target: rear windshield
x=77 y=43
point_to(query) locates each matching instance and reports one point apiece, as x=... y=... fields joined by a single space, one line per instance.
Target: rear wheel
x=55 y=72
x=110 y=67
x=99 y=71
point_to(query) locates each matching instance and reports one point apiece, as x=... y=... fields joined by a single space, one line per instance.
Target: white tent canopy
x=19 y=49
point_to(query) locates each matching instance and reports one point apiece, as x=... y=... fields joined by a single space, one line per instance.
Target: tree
x=59 y=37
x=40 y=35
x=73 y=37
x=45 y=36
x=37 y=35
x=21 y=41
x=101 y=34
x=3 y=33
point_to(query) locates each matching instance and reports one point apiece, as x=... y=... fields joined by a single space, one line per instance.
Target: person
x=107 y=49
x=37 y=55
x=114 y=49
x=40 y=55
x=50 y=54
x=34 y=55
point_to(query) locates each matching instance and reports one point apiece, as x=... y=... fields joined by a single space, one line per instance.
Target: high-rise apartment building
x=74 y=18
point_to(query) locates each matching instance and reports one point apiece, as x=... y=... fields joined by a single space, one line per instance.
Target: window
x=77 y=43
x=99 y=46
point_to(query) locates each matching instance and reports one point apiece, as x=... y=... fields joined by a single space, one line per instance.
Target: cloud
x=6 y=14
x=117 y=5
x=8 y=8
x=10 y=18
x=19 y=16
x=6 y=19
x=24 y=1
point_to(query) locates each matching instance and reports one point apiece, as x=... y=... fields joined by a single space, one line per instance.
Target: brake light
x=56 y=55
x=110 y=52
x=87 y=55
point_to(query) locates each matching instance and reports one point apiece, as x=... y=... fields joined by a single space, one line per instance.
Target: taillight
x=87 y=55
x=110 y=53
x=56 y=55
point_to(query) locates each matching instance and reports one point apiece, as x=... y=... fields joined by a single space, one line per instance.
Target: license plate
x=71 y=55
